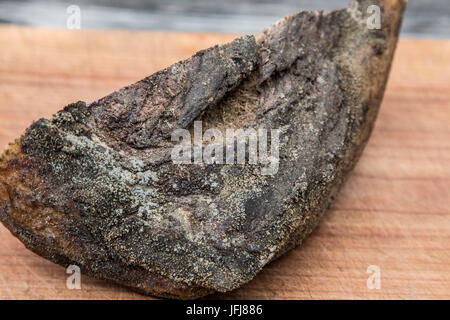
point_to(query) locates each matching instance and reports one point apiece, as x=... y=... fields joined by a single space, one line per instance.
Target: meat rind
x=95 y=185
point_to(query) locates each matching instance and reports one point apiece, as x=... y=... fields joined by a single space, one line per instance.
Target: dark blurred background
x=424 y=18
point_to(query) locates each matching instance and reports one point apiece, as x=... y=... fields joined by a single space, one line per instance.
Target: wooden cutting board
x=393 y=212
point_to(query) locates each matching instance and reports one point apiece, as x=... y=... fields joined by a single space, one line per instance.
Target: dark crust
x=95 y=186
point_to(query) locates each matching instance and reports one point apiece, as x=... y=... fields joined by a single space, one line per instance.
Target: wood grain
x=393 y=212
